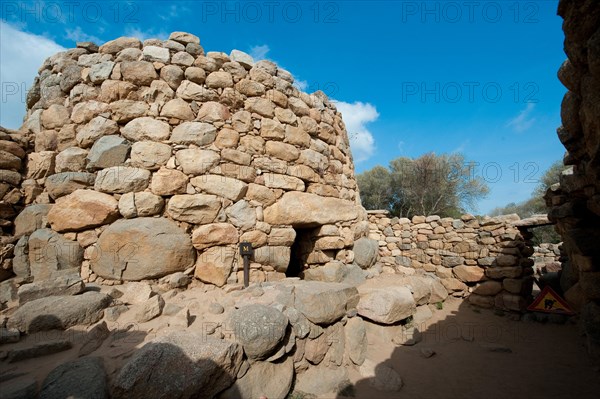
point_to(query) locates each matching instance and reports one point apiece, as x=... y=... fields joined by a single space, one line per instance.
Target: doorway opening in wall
x=301 y=248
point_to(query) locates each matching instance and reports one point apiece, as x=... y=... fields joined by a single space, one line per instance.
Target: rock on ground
x=271 y=380
x=179 y=365
x=70 y=284
x=21 y=389
x=356 y=340
x=259 y=329
x=81 y=378
x=324 y=303
x=381 y=377
x=386 y=305
x=322 y=380
x=59 y=312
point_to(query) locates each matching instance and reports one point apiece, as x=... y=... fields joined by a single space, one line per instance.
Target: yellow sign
x=549 y=301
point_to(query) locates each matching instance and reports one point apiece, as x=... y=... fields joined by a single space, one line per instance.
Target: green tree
x=375 y=188
x=432 y=184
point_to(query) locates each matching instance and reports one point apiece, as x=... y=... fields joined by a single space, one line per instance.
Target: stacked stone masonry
x=486 y=259
x=12 y=195
x=546 y=256
x=137 y=160
x=575 y=203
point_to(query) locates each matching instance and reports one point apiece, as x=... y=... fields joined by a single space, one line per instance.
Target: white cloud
x=461 y=147
x=356 y=116
x=146 y=34
x=259 y=52
x=173 y=12
x=78 y=35
x=524 y=120
x=22 y=54
x=302 y=85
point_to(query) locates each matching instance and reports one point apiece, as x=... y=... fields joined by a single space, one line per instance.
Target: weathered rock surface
x=182 y=365
x=142 y=248
x=214 y=234
x=356 y=340
x=140 y=204
x=386 y=305
x=69 y=284
x=83 y=209
x=81 y=378
x=195 y=208
x=215 y=264
x=305 y=209
x=31 y=218
x=324 y=303
x=50 y=252
x=322 y=380
x=122 y=179
x=61 y=184
x=59 y=312
x=263 y=379
x=259 y=329
x=365 y=252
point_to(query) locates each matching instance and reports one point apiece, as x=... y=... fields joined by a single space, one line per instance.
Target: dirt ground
x=478 y=354
x=482 y=354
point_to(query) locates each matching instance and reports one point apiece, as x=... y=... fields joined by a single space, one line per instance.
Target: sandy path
x=545 y=360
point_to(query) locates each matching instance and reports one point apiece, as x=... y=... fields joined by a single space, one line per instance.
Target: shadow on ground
x=102 y=362
x=469 y=352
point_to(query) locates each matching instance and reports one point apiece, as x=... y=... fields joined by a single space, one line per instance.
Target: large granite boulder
x=259 y=329
x=387 y=305
x=50 y=252
x=142 y=248
x=81 y=378
x=59 y=312
x=324 y=303
x=307 y=209
x=263 y=379
x=179 y=365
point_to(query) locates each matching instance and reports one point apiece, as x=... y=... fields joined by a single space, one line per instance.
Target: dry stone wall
x=547 y=257
x=575 y=202
x=487 y=259
x=151 y=158
x=12 y=156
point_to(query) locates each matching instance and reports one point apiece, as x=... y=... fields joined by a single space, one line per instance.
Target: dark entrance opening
x=303 y=245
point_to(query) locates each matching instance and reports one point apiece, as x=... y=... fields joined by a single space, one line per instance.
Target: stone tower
x=150 y=158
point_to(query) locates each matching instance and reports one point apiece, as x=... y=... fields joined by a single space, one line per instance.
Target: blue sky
x=411 y=77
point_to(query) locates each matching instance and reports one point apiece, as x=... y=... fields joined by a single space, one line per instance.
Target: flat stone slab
x=59 y=312
x=533 y=221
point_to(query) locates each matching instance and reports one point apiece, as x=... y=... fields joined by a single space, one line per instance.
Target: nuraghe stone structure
x=137 y=160
x=575 y=202
x=152 y=161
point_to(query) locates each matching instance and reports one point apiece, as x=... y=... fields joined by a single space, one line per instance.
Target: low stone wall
x=546 y=257
x=487 y=259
